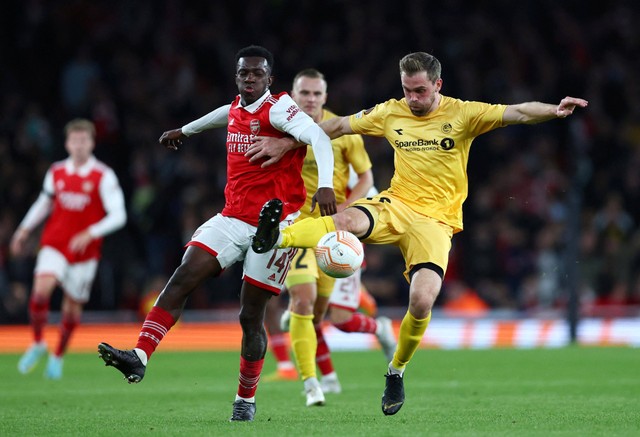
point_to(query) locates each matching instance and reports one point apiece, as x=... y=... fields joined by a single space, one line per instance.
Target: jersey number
x=299 y=263
x=280 y=259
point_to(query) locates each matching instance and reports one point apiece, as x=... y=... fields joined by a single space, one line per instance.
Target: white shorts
x=346 y=292
x=75 y=279
x=229 y=240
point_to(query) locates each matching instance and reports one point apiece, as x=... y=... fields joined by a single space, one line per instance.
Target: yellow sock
x=304 y=344
x=411 y=332
x=306 y=232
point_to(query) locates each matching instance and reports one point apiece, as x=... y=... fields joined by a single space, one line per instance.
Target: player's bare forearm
x=360 y=189
x=336 y=127
x=537 y=112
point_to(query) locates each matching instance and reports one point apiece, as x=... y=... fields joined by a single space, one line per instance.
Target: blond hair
x=80 y=125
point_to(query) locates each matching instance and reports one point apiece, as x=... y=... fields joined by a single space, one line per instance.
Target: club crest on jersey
x=254 y=125
x=447 y=128
x=87 y=186
x=60 y=185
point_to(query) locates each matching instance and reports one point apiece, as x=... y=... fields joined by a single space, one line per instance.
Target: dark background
x=543 y=199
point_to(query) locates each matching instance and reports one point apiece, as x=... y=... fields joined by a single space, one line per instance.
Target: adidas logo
x=272 y=277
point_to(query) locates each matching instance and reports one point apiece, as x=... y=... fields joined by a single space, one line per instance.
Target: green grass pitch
x=554 y=392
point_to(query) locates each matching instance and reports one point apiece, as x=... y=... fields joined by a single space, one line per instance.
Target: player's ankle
x=142 y=355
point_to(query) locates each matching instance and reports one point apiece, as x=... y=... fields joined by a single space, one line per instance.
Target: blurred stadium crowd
x=543 y=200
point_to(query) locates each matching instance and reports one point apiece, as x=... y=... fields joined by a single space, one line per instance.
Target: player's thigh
x=225 y=238
x=426 y=244
x=303 y=269
x=268 y=270
x=51 y=268
x=326 y=284
x=388 y=217
x=78 y=280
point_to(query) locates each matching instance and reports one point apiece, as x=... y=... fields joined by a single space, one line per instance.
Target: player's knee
x=303 y=303
x=420 y=304
x=250 y=320
x=352 y=220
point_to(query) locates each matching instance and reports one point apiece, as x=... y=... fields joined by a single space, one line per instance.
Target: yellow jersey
x=430 y=152
x=348 y=149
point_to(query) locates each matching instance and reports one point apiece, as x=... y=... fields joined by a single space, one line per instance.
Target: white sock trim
x=394 y=371
x=142 y=355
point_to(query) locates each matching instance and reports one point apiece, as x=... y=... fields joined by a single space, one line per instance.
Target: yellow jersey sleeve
x=430 y=152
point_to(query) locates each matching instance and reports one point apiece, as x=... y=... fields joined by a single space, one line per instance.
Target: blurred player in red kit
x=84 y=202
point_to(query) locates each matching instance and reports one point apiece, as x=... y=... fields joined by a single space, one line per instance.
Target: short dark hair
x=311 y=73
x=257 y=51
x=420 y=61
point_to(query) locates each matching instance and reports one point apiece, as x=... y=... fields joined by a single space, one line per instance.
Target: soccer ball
x=339 y=254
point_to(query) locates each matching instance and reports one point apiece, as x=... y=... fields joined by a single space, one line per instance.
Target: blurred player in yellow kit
x=309 y=288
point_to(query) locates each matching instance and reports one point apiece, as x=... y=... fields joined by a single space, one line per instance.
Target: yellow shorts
x=304 y=269
x=422 y=240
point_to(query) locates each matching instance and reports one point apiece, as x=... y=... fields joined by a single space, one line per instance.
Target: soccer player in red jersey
x=83 y=201
x=227 y=237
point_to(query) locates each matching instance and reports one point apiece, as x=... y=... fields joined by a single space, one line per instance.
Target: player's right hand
x=171 y=139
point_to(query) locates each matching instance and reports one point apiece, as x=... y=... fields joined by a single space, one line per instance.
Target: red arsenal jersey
x=76 y=205
x=248 y=185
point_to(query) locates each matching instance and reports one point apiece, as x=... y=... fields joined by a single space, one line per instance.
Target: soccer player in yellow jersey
x=309 y=288
x=431 y=135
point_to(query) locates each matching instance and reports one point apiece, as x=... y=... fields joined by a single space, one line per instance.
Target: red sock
x=249 y=377
x=67 y=327
x=358 y=323
x=154 y=328
x=279 y=348
x=323 y=355
x=38 y=313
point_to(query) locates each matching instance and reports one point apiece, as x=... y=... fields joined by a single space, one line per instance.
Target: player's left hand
x=568 y=104
x=326 y=200
x=269 y=148
x=80 y=241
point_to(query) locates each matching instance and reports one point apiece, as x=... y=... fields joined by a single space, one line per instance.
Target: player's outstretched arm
x=537 y=112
